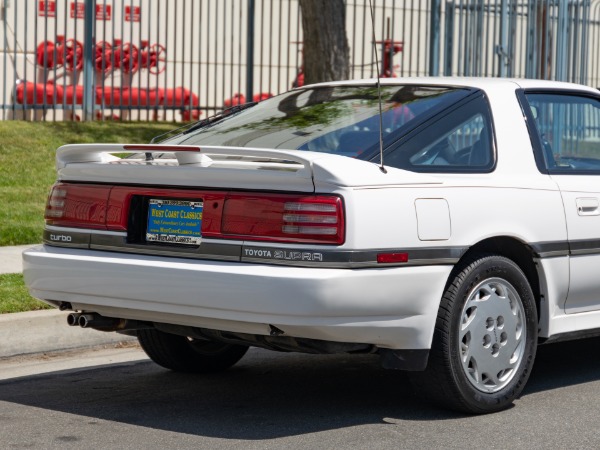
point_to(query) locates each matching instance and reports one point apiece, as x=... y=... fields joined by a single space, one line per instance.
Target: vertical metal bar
x=299 y=52
x=15 y=74
x=4 y=58
x=231 y=39
x=478 y=39
x=130 y=65
x=111 y=102
x=199 y=42
x=531 y=41
x=404 y=55
x=489 y=36
x=208 y=34
x=393 y=37
x=148 y=17
x=250 y=51
x=503 y=48
x=584 y=43
x=180 y=30
x=353 y=46
x=26 y=43
x=572 y=22
x=158 y=41
x=166 y=78
x=289 y=38
x=434 y=37
x=88 y=59
x=270 y=52
x=55 y=95
x=412 y=12
x=363 y=46
x=561 y=41
x=140 y=104
x=279 y=41
x=467 y=40
x=449 y=44
x=240 y=49
x=216 y=64
x=226 y=42
x=64 y=78
x=459 y=34
x=193 y=41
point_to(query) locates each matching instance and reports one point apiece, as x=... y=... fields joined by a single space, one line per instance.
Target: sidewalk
x=43 y=331
x=11 y=260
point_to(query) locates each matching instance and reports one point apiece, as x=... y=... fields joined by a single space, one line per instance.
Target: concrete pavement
x=11 y=260
x=43 y=331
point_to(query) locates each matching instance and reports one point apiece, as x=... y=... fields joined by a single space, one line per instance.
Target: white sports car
x=471 y=236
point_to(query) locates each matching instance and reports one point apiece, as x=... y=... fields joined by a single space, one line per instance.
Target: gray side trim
x=306 y=257
x=550 y=249
x=349 y=258
x=585 y=247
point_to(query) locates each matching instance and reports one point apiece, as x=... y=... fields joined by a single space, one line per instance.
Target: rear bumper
x=391 y=307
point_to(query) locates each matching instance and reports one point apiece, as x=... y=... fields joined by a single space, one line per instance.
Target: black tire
x=182 y=354
x=473 y=338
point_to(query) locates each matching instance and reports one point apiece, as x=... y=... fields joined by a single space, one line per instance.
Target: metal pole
x=503 y=49
x=250 y=52
x=449 y=44
x=562 y=41
x=434 y=37
x=89 y=36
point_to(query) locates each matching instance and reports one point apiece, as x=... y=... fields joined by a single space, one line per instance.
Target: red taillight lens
x=391 y=258
x=284 y=218
x=78 y=206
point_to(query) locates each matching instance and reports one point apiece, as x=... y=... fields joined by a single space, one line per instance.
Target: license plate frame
x=174 y=221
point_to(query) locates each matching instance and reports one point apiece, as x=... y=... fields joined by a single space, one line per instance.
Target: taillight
x=284 y=218
x=78 y=206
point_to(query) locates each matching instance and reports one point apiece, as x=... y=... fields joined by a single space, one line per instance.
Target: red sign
x=103 y=12
x=47 y=9
x=132 y=13
x=77 y=10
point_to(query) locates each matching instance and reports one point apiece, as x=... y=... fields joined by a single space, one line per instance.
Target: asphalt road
x=118 y=399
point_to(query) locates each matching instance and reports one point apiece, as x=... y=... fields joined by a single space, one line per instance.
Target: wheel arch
x=513 y=249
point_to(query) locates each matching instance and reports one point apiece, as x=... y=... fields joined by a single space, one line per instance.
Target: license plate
x=174 y=221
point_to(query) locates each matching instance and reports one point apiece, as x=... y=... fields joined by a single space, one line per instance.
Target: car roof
x=485 y=83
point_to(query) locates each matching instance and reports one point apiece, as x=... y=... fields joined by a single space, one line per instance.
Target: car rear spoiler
x=243 y=167
x=185 y=154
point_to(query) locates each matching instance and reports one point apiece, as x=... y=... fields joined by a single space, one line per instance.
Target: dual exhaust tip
x=97 y=322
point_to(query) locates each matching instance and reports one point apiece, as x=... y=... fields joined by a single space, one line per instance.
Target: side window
x=461 y=141
x=568 y=128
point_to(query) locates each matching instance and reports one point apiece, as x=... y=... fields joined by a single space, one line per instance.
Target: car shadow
x=267 y=395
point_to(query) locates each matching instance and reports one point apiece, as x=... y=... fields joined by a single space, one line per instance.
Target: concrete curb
x=47 y=331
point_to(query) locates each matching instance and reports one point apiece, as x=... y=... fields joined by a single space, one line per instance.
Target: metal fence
x=182 y=59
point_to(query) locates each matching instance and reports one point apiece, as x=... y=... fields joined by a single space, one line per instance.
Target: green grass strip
x=14 y=296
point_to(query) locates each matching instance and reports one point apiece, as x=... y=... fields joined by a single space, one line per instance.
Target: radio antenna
x=381 y=167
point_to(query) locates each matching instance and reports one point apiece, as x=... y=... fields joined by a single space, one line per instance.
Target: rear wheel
x=183 y=354
x=485 y=338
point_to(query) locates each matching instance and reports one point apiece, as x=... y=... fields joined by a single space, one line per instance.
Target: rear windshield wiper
x=190 y=127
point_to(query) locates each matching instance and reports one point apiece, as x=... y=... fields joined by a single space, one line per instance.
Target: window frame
x=534 y=135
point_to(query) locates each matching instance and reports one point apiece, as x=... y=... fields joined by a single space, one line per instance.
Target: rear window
x=339 y=119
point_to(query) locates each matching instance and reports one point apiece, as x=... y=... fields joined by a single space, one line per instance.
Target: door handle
x=588 y=206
